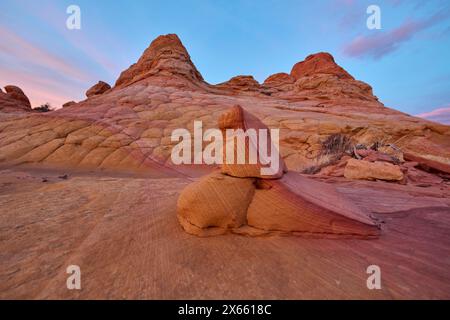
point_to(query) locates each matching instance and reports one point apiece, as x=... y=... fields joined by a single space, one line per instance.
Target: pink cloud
x=441 y=115
x=39 y=89
x=25 y=51
x=87 y=43
x=379 y=44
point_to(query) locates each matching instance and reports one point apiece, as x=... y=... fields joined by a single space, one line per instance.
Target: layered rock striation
x=238 y=199
x=128 y=127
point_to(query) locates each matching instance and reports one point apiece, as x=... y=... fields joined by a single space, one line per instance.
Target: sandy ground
x=123 y=233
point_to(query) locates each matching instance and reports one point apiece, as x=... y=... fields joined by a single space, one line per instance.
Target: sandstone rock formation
x=128 y=127
x=68 y=104
x=99 y=88
x=241 y=200
x=115 y=214
x=279 y=82
x=237 y=118
x=14 y=100
x=360 y=169
x=215 y=204
x=319 y=63
x=166 y=56
x=242 y=85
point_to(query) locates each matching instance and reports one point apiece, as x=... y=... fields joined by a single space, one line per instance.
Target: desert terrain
x=92 y=184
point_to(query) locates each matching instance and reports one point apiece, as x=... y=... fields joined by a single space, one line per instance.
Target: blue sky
x=406 y=62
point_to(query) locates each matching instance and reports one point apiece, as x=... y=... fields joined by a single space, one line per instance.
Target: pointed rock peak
x=321 y=62
x=165 y=56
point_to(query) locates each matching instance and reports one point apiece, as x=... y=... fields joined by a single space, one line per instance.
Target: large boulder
x=99 y=88
x=299 y=206
x=241 y=200
x=215 y=204
x=378 y=170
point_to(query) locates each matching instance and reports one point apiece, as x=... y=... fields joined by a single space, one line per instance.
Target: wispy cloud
x=40 y=89
x=25 y=51
x=378 y=44
x=48 y=72
x=441 y=115
x=85 y=42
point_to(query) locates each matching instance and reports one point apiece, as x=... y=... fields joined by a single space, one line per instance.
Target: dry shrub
x=321 y=161
x=336 y=144
x=44 y=108
x=332 y=149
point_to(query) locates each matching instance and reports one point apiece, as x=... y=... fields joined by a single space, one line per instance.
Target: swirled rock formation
x=240 y=200
x=128 y=127
x=93 y=184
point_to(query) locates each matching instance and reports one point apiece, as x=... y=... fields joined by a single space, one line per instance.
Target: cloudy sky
x=406 y=61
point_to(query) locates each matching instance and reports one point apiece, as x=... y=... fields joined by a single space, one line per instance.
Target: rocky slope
x=128 y=127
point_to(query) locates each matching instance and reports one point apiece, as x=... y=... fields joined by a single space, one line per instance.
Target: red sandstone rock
x=372 y=156
x=16 y=93
x=242 y=84
x=297 y=205
x=428 y=164
x=237 y=118
x=68 y=104
x=278 y=79
x=14 y=100
x=166 y=56
x=293 y=205
x=215 y=204
x=319 y=63
x=336 y=169
x=97 y=89
x=418 y=177
x=128 y=129
x=365 y=170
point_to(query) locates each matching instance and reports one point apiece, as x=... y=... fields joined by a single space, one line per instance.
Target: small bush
x=44 y=108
